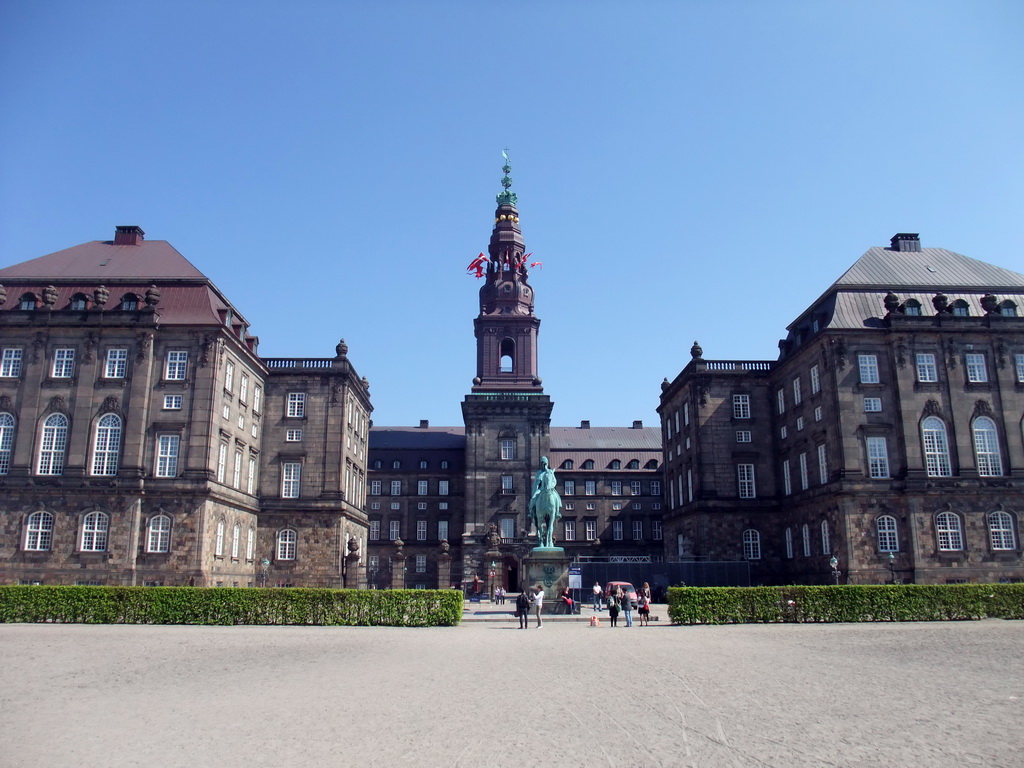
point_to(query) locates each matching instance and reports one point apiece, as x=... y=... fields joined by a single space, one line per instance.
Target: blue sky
x=685 y=170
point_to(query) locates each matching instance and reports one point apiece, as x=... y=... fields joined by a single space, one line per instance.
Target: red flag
x=537 y=264
x=477 y=265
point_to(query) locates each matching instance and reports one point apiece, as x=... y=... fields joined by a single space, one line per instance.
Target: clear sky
x=685 y=170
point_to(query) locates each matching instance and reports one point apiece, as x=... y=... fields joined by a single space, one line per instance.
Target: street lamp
x=834 y=562
x=892 y=567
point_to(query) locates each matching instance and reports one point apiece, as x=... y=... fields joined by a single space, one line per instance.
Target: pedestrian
x=538 y=604
x=566 y=599
x=645 y=608
x=613 y=608
x=499 y=596
x=523 y=609
x=597 y=596
x=626 y=603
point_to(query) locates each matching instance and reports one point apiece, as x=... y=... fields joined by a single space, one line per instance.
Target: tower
x=507 y=415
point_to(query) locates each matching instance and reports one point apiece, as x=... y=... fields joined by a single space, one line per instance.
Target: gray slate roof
x=927 y=268
x=606 y=439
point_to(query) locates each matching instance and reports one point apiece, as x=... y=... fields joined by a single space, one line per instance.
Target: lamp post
x=892 y=567
x=264 y=567
x=834 y=562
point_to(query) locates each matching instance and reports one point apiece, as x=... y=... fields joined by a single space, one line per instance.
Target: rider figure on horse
x=545 y=505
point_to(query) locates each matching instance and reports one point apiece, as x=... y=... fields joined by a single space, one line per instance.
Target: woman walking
x=613 y=608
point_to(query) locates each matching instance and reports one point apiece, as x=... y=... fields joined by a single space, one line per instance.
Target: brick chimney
x=638 y=424
x=585 y=424
x=905 y=241
x=424 y=423
x=128 y=235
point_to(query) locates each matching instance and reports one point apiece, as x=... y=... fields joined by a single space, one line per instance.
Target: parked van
x=628 y=588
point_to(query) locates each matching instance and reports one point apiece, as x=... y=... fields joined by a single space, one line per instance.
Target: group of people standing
x=530 y=601
x=621 y=601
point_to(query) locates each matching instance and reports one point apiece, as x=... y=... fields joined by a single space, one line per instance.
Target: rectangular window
x=570 y=530
x=590 y=529
x=296 y=405
x=872 y=405
x=799 y=423
x=616 y=487
x=63 y=363
x=421 y=530
x=236 y=473
x=878 y=458
x=926 y=370
x=783 y=432
x=797 y=397
x=686 y=414
x=741 y=406
x=442 y=529
x=655 y=487
x=780 y=398
x=421 y=505
x=293 y=436
x=291 y=472
x=1018 y=364
x=506 y=484
x=396 y=487
x=396 y=505
x=570 y=487
x=421 y=487
x=634 y=487
x=229 y=377
x=743 y=436
x=815 y=380
x=442 y=505
x=803 y=472
x=176 y=366
x=508 y=449
x=257 y=399
x=787 y=482
x=167 y=455
x=638 y=530
x=656 y=530
x=590 y=487
x=375 y=486
x=822 y=465
x=689 y=488
x=616 y=505
x=442 y=487
x=976 y=370
x=507 y=526
x=617 y=530
x=250 y=486
x=243 y=390
x=745 y=481
x=172 y=402
x=394 y=527
x=222 y=460
x=421 y=563
x=10 y=365
x=818 y=413
x=868 y=365
x=117 y=364
x=375 y=530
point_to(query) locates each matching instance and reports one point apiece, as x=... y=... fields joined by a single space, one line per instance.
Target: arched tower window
x=507 y=356
x=936 y=447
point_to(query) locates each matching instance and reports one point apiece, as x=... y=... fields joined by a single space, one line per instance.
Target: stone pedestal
x=398 y=566
x=548 y=567
x=444 y=567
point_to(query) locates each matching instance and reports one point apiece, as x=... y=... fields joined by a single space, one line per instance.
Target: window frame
x=63 y=363
x=106 y=445
x=95 y=532
x=176 y=365
x=53 y=445
x=867 y=366
x=1002 y=535
x=291 y=479
x=287 y=549
x=39 y=532
x=949 y=536
x=115 y=365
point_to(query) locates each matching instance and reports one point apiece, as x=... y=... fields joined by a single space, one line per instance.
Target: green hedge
x=904 y=602
x=192 y=605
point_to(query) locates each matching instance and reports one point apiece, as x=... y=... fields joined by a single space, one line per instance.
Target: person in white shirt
x=597 y=596
x=538 y=603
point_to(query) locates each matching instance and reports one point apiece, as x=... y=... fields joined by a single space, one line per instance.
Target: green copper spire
x=507 y=197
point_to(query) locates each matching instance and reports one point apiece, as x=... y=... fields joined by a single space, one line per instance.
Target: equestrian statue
x=545 y=505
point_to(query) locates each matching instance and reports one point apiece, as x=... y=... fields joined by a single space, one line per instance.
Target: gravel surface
x=488 y=694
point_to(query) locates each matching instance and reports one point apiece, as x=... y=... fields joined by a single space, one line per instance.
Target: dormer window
x=912 y=308
x=616 y=464
x=960 y=308
x=588 y=464
x=568 y=464
x=1008 y=309
x=79 y=303
x=634 y=464
x=28 y=301
x=396 y=464
x=129 y=302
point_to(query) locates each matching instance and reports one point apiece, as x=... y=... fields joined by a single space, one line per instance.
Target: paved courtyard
x=489 y=694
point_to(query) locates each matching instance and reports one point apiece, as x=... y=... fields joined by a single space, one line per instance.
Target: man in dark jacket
x=523 y=609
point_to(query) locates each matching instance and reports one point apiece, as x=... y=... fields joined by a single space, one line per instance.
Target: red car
x=628 y=588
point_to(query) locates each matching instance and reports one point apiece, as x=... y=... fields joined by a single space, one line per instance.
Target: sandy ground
x=488 y=694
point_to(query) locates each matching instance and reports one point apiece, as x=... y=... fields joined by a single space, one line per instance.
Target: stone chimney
x=424 y=423
x=637 y=424
x=585 y=424
x=128 y=235
x=905 y=241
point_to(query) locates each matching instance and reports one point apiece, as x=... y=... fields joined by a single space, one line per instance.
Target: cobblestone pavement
x=489 y=694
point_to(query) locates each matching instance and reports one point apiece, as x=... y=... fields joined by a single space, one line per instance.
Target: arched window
x=568 y=464
x=1000 y=531
x=107 y=445
x=286 y=543
x=79 y=302
x=159 y=539
x=423 y=464
x=616 y=464
x=986 y=447
x=250 y=544
x=377 y=464
x=51 y=448
x=218 y=547
x=236 y=540
x=1008 y=309
x=507 y=356
x=959 y=308
x=28 y=301
x=396 y=464
x=94 y=532
x=888 y=541
x=633 y=464
x=6 y=442
x=444 y=464
x=751 y=544
x=806 y=531
x=588 y=464
x=39 y=532
x=130 y=302
x=936 y=447
x=949 y=532
x=789 y=543
x=826 y=540
x=912 y=308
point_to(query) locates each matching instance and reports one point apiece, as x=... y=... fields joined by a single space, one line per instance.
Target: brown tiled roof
x=179 y=304
x=102 y=261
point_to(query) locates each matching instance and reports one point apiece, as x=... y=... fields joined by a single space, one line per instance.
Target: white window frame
x=804 y=483
x=396 y=487
x=168 y=447
x=936 y=447
x=63 y=363
x=106 y=446
x=53 y=445
x=656 y=533
x=927 y=372
x=741 y=406
x=287 y=544
x=1018 y=366
x=421 y=530
x=743 y=436
x=751 y=544
x=780 y=398
x=218 y=546
x=569 y=487
x=250 y=544
x=293 y=436
x=569 y=530
x=872 y=405
x=39 y=532
x=746 y=484
x=10 y=363
x=616 y=487
x=878 y=458
x=977 y=370
x=236 y=541
x=116 y=366
x=949 y=532
x=394 y=530
x=374 y=530
x=589 y=487
x=1002 y=535
x=826 y=539
x=176 y=365
x=6 y=442
x=172 y=402
x=507 y=448
x=635 y=488
x=787 y=480
x=590 y=530
x=868 y=367
x=442 y=529
x=236 y=471
x=421 y=564
x=986 y=447
x=815 y=380
x=375 y=487
x=291 y=478
x=638 y=530
x=797 y=395
x=822 y=464
x=789 y=543
x=616 y=530
x=442 y=487
x=296 y=405
x=95 y=531
x=422 y=487
x=805 y=532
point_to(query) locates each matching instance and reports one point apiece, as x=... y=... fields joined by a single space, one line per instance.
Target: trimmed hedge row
x=195 y=605
x=903 y=602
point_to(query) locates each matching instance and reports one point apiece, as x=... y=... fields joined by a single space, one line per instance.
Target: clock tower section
x=507 y=415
